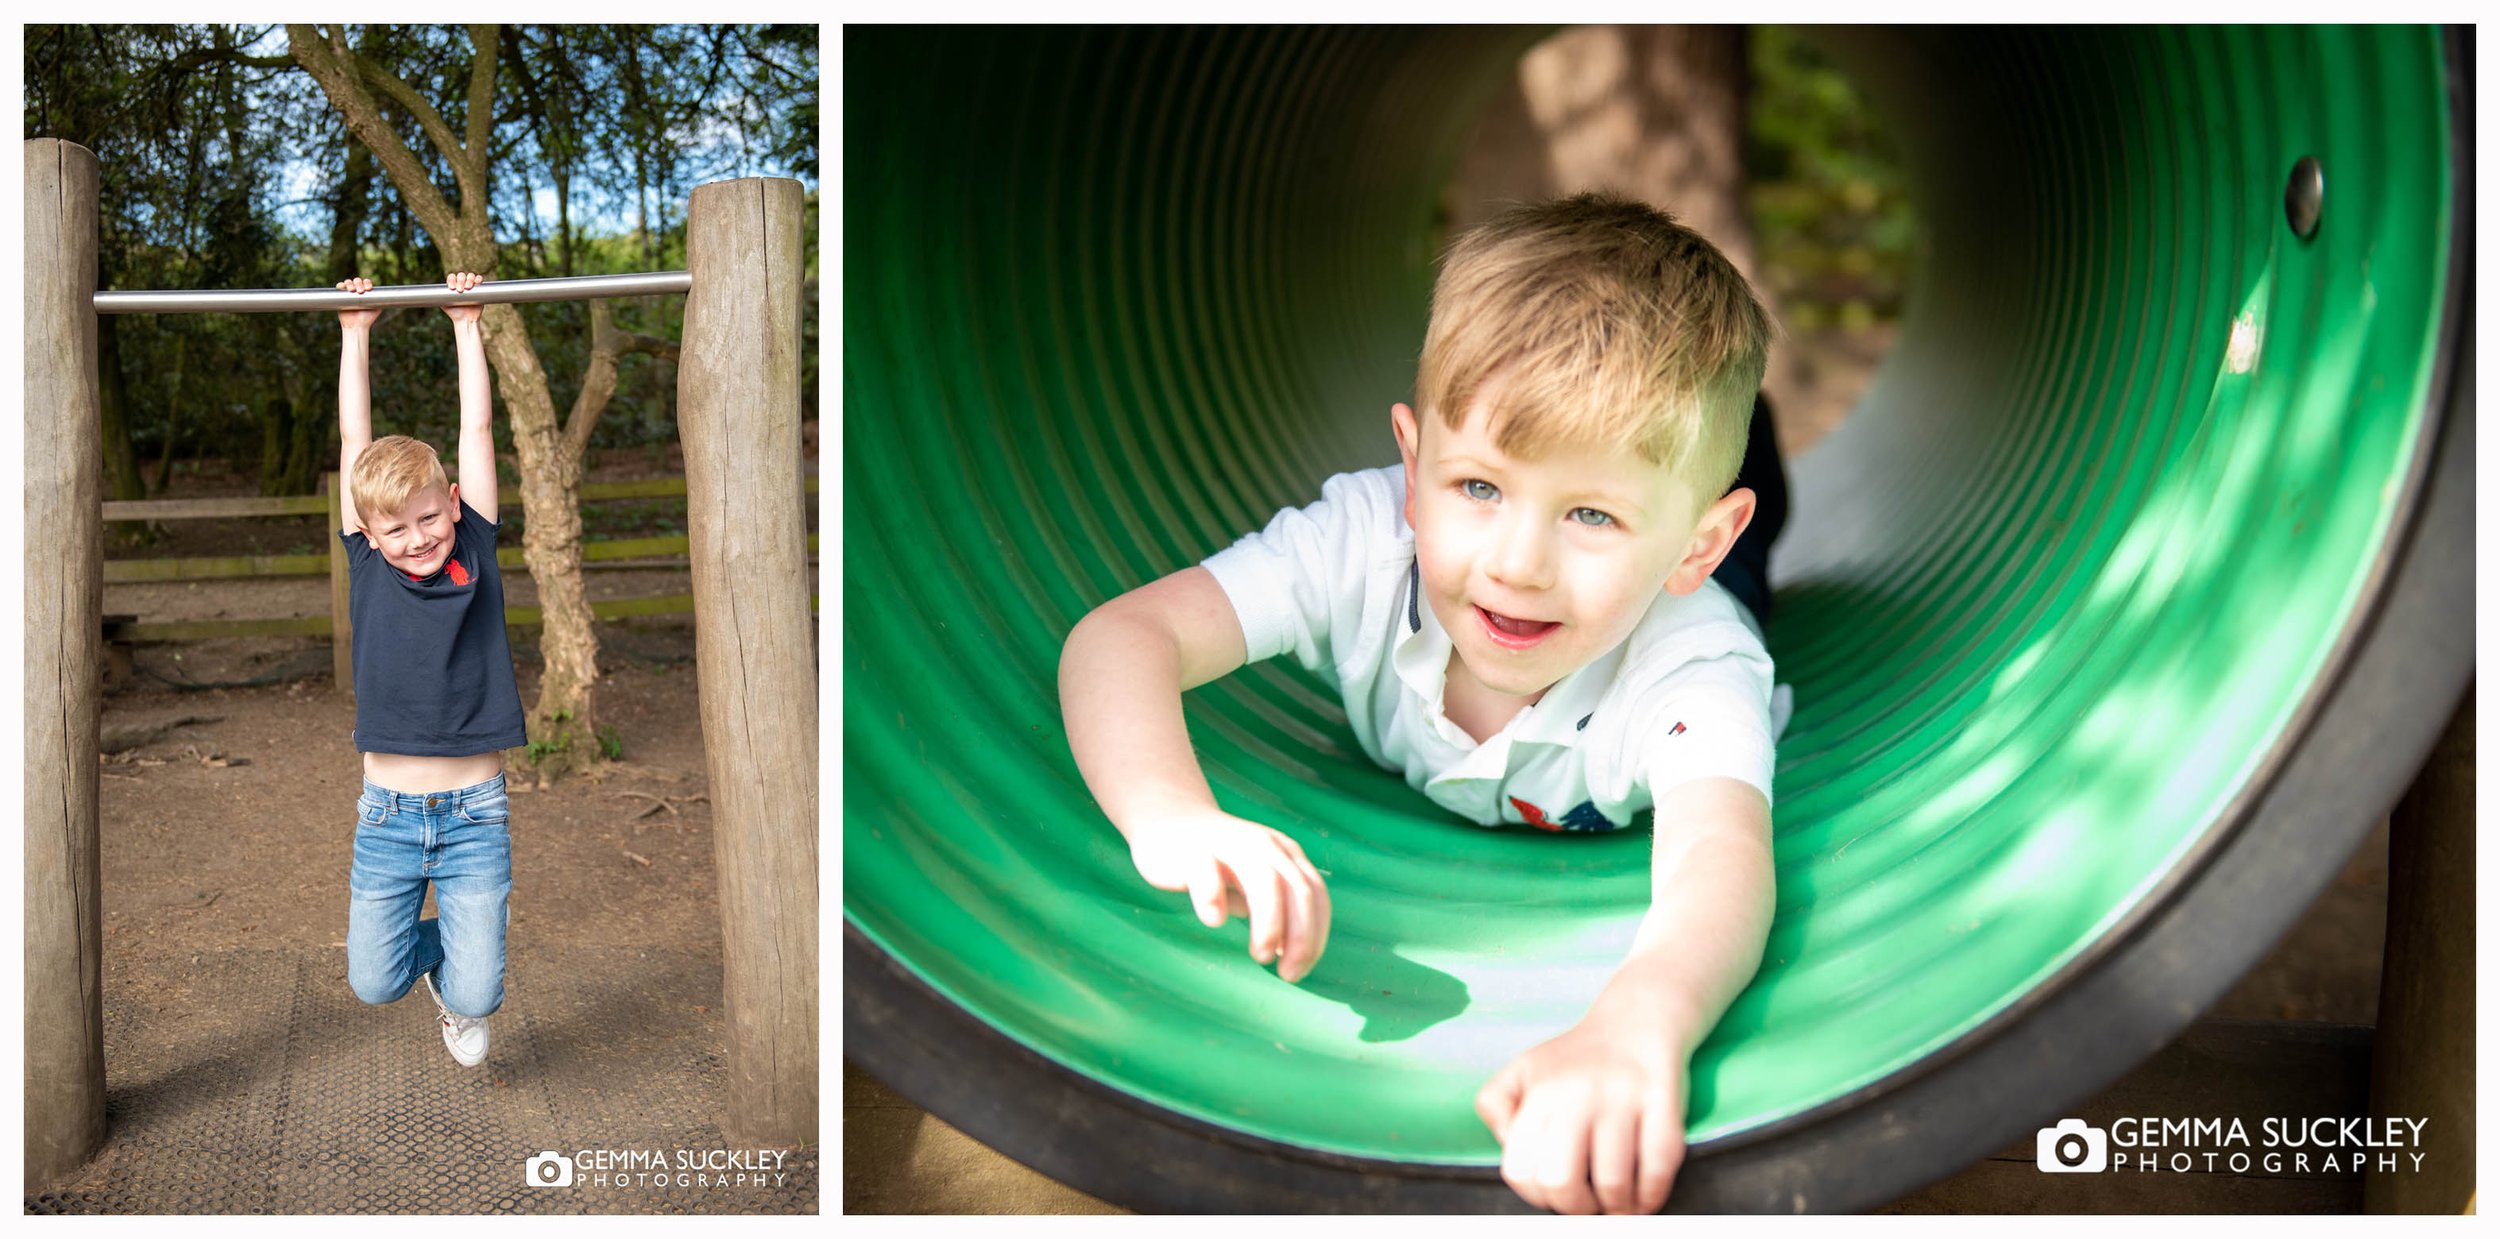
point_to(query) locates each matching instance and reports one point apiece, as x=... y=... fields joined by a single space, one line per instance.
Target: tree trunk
x=401 y=241
x=277 y=432
x=173 y=415
x=121 y=460
x=564 y=724
x=347 y=217
x=304 y=452
x=1654 y=112
x=291 y=426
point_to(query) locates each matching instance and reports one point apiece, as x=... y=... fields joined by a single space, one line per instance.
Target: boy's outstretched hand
x=1232 y=867
x=357 y=319
x=1592 y=1120
x=461 y=282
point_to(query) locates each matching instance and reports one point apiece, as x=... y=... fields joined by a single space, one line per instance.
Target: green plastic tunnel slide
x=2136 y=587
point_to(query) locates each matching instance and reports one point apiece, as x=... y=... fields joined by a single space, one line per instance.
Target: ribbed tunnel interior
x=2051 y=601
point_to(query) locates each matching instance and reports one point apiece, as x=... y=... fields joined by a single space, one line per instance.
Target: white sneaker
x=463 y=1036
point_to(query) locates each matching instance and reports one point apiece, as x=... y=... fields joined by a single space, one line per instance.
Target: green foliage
x=1828 y=193
x=551 y=749
x=224 y=166
x=545 y=747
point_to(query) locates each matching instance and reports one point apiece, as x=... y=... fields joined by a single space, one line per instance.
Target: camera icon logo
x=553 y=1169
x=2072 y=1147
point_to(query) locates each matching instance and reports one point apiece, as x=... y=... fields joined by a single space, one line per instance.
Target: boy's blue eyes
x=1485 y=492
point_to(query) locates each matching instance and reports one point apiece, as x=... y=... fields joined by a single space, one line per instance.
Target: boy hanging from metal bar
x=436 y=703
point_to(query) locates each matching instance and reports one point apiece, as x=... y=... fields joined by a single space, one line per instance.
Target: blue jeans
x=461 y=841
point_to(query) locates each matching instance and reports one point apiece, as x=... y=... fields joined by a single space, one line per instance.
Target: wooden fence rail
x=596 y=553
x=617 y=552
x=319 y=625
x=317 y=505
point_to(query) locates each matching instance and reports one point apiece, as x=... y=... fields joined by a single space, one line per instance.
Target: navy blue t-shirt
x=433 y=669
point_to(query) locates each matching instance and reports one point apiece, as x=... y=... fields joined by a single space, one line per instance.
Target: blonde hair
x=1599 y=321
x=392 y=470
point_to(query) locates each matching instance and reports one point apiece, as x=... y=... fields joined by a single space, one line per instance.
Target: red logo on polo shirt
x=1534 y=815
x=1582 y=819
x=1679 y=730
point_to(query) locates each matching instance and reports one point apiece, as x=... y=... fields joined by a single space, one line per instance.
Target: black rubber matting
x=254 y=1082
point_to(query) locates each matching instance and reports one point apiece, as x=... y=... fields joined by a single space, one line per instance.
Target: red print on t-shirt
x=459 y=575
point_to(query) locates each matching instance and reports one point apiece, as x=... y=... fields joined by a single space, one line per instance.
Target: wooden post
x=2422 y=1062
x=738 y=419
x=64 y=655
x=342 y=667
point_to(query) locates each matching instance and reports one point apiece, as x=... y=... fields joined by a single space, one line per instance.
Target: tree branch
x=607 y=344
x=337 y=70
x=437 y=130
x=636 y=342
x=482 y=43
x=197 y=57
x=343 y=75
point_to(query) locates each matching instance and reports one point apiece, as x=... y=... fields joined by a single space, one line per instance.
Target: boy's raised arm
x=1121 y=676
x=477 y=403
x=355 y=397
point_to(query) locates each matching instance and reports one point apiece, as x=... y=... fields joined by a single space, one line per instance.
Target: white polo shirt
x=1688 y=695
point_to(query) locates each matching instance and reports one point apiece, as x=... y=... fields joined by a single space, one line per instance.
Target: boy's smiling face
x=417 y=538
x=1535 y=568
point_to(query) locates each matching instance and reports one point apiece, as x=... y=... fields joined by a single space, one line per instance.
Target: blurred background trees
x=224 y=167
x=1826 y=190
x=1753 y=138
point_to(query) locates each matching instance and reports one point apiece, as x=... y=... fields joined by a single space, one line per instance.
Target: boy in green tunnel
x=1547 y=614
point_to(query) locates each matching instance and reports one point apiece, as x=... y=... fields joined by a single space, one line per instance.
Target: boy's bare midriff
x=402 y=772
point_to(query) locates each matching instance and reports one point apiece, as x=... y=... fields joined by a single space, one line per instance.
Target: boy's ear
x=1402 y=423
x=455 y=503
x=1712 y=539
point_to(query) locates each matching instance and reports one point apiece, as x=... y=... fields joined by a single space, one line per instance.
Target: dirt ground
x=622 y=858
x=202 y=837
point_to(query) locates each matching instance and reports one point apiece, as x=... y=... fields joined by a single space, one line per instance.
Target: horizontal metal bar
x=281 y=300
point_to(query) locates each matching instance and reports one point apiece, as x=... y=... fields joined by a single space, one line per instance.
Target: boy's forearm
x=355 y=396
x=477 y=403
x=1120 y=696
x=1712 y=899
